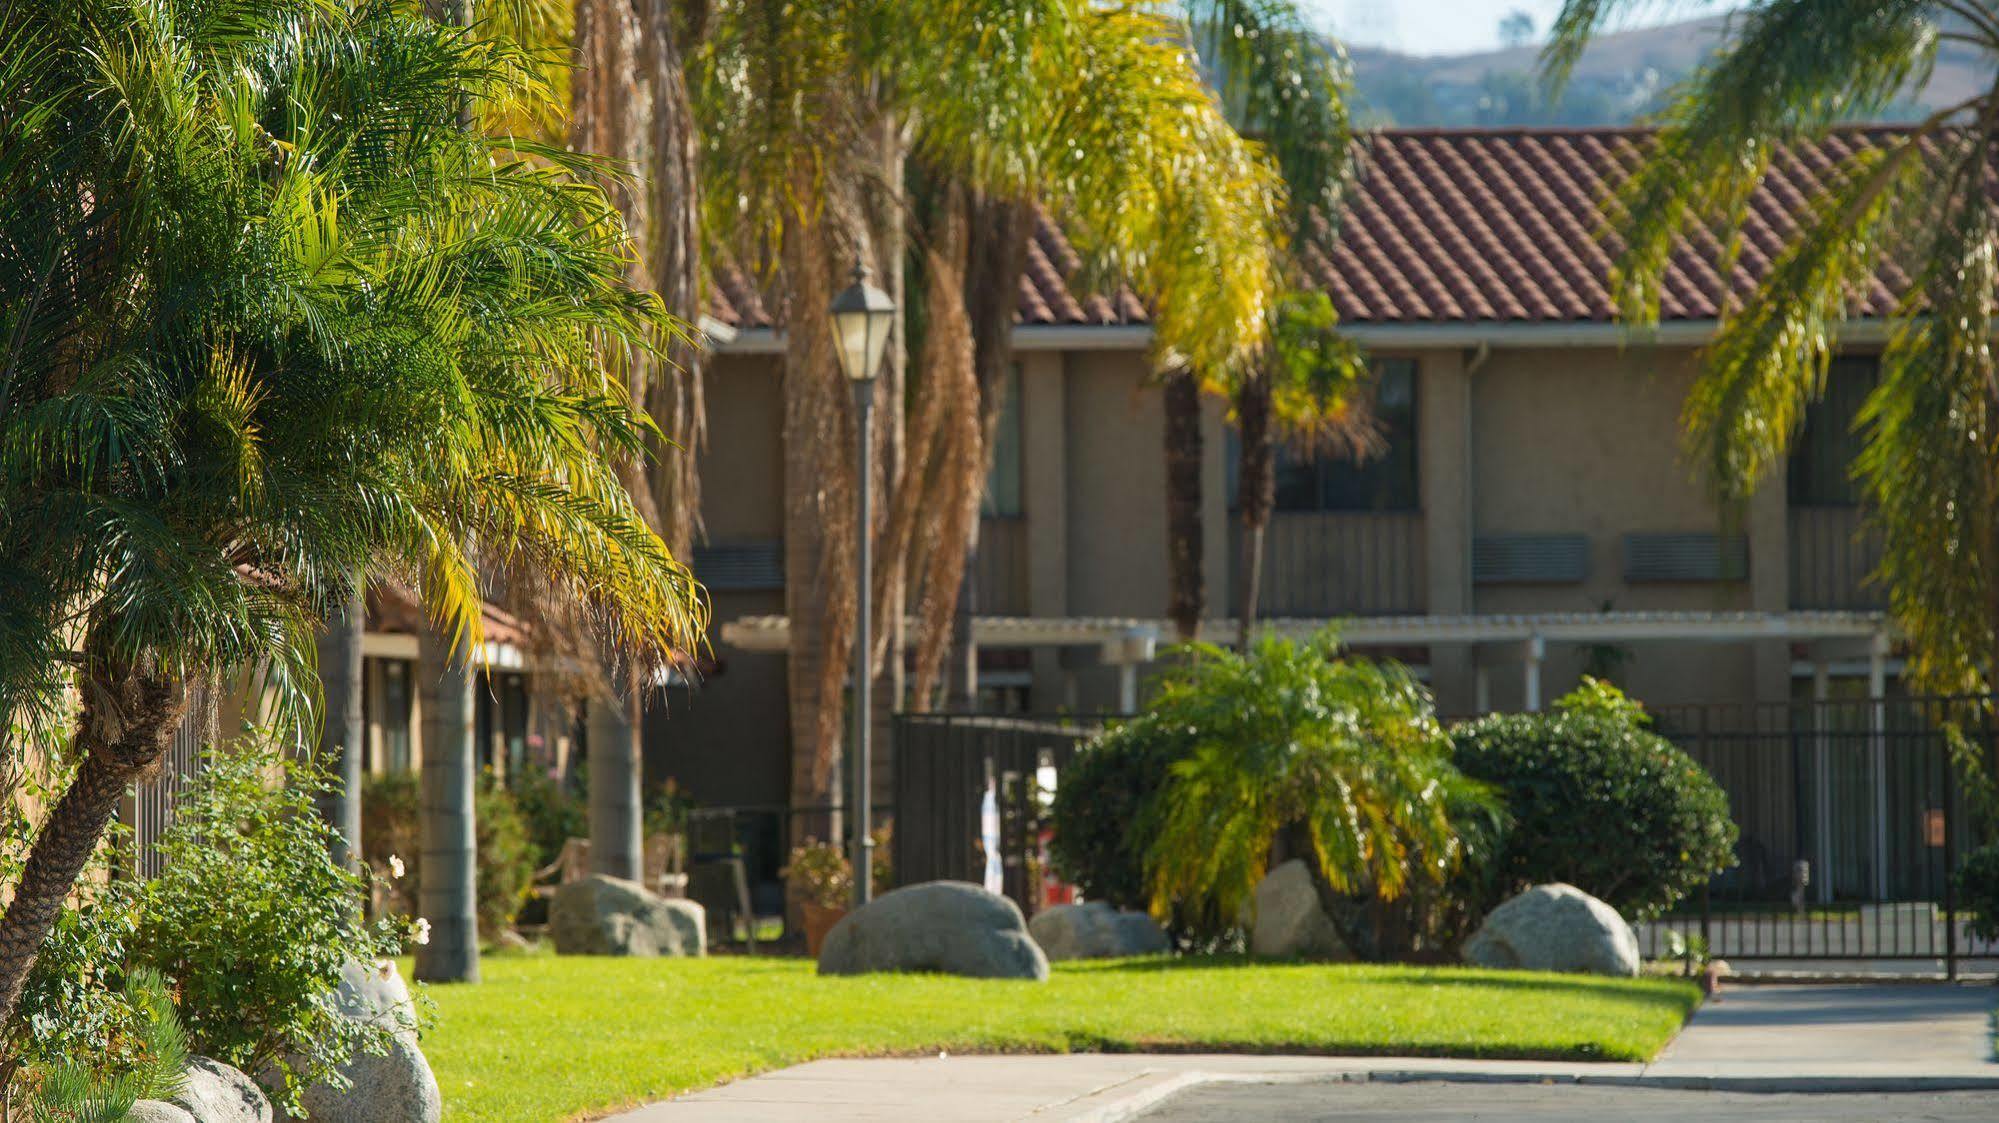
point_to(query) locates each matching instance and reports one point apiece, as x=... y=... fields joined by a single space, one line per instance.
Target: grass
x=546 y=1038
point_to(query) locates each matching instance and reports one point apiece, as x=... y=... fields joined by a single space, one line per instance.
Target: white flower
x=395 y=866
x=422 y=935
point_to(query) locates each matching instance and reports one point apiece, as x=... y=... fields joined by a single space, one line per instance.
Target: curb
x=1132 y=1098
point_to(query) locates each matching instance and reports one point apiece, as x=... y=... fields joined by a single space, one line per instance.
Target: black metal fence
x=1850 y=813
x=946 y=768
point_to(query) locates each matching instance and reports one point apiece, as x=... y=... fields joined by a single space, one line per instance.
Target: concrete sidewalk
x=1755 y=1039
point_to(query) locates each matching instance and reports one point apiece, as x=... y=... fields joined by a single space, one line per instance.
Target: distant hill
x=1620 y=79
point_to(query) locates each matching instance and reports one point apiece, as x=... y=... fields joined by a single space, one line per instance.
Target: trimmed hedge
x=1600 y=801
x=1099 y=846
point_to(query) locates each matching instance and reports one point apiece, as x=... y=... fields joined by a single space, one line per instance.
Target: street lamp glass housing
x=863 y=315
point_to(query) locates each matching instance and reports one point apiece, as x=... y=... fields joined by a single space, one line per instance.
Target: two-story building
x=1532 y=519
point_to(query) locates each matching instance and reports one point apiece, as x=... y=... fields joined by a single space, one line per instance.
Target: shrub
x=78 y=1089
x=819 y=873
x=1977 y=879
x=391 y=809
x=1100 y=842
x=1599 y=801
x=252 y=920
x=554 y=811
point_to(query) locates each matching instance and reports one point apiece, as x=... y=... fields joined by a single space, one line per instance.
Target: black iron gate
x=1850 y=812
x=946 y=767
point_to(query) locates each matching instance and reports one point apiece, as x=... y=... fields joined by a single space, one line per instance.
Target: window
x=394 y=715
x=1003 y=481
x=1386 y=481
x=1821 y=468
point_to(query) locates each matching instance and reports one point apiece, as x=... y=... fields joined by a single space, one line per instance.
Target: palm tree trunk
x=617 y=844
x=1256 y=494
x=1186 y=590
x=343 y=728
x=128 y=720
x=448 y=896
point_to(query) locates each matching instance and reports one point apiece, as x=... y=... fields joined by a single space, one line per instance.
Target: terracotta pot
x=819 y=920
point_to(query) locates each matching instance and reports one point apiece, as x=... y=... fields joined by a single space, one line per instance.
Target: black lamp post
x=863 y=315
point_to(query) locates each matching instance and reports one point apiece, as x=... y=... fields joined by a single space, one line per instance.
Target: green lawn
x=552 y=1039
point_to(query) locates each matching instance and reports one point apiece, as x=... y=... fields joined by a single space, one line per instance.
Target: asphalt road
x=1435 y=1101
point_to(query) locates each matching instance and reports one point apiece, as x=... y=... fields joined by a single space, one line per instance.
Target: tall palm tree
x=629 y=103
x=342 y=728
x=275 y=318
x=1917 y=197
x=1287 y=85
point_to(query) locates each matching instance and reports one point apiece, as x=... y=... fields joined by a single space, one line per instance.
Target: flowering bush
x=252 y=920
x=819 y=873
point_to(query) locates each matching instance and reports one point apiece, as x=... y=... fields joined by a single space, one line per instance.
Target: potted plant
x=820 y=876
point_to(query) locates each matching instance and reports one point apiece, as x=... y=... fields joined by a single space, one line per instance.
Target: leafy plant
x=554 y=810
x=252 y=920
x=75 y=1091
x=1977 y=883
x=1599 y=801
x=820 y=873
x=1342 y=759
x=390 y=808
x=1101 y=834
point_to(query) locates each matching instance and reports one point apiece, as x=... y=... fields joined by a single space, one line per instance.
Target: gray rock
x=946 y=927
x=601 y=915
x=1290 y=922
x=377 y=995
x=216 y=1093
x=157 y=1111
x=1095 y=931
x=1555 y=927
x=398 y=1087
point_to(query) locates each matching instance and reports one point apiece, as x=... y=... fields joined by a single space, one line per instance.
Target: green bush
x=391 y=808
x=553 y=810
x=252 y=920
x=1977 y=879
x=1599 y=801
x=1099 y=844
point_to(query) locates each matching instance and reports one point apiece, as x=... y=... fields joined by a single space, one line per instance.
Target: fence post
x=1950 y=862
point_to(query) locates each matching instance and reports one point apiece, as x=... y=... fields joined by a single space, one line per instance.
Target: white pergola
x=1129 y=642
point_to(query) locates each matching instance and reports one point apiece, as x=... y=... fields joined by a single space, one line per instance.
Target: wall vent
x=741 y=567
x=1685 y=557
x=1529 y=559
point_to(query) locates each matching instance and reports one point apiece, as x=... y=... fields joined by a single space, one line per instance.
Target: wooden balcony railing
x=1001 y=567
x=1832 y=554
x=1337 y=563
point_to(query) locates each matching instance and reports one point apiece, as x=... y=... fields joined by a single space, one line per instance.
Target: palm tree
x=629 y=103
x=276 y=319
x=802 y=116
x=1286 y=85
x=1342 y=761
x=342 y=728
x=1918 y=198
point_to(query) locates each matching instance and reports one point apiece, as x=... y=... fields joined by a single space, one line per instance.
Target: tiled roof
x=1473 y=226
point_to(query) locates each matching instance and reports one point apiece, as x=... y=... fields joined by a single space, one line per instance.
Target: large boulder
x=946 y=927
x=600 y=915
x=1290 y=922
x=1555 y=927
x=157 y=1111
x=1095 y=931
x=216 y=1093
x=398 y=1085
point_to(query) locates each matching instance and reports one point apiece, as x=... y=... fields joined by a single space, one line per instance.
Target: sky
x=1449 y=27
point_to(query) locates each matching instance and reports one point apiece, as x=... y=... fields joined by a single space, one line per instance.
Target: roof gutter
x=1026 y=337
x=1377 y=336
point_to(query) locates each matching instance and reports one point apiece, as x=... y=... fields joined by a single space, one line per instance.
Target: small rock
x=945 y=927
x=216 y=1093
x=1290 y=922
x=600 y=915
x=1095 y=931
x=157 y=1111
x=510 y=942
x=1555 y=927
x=376 y=995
